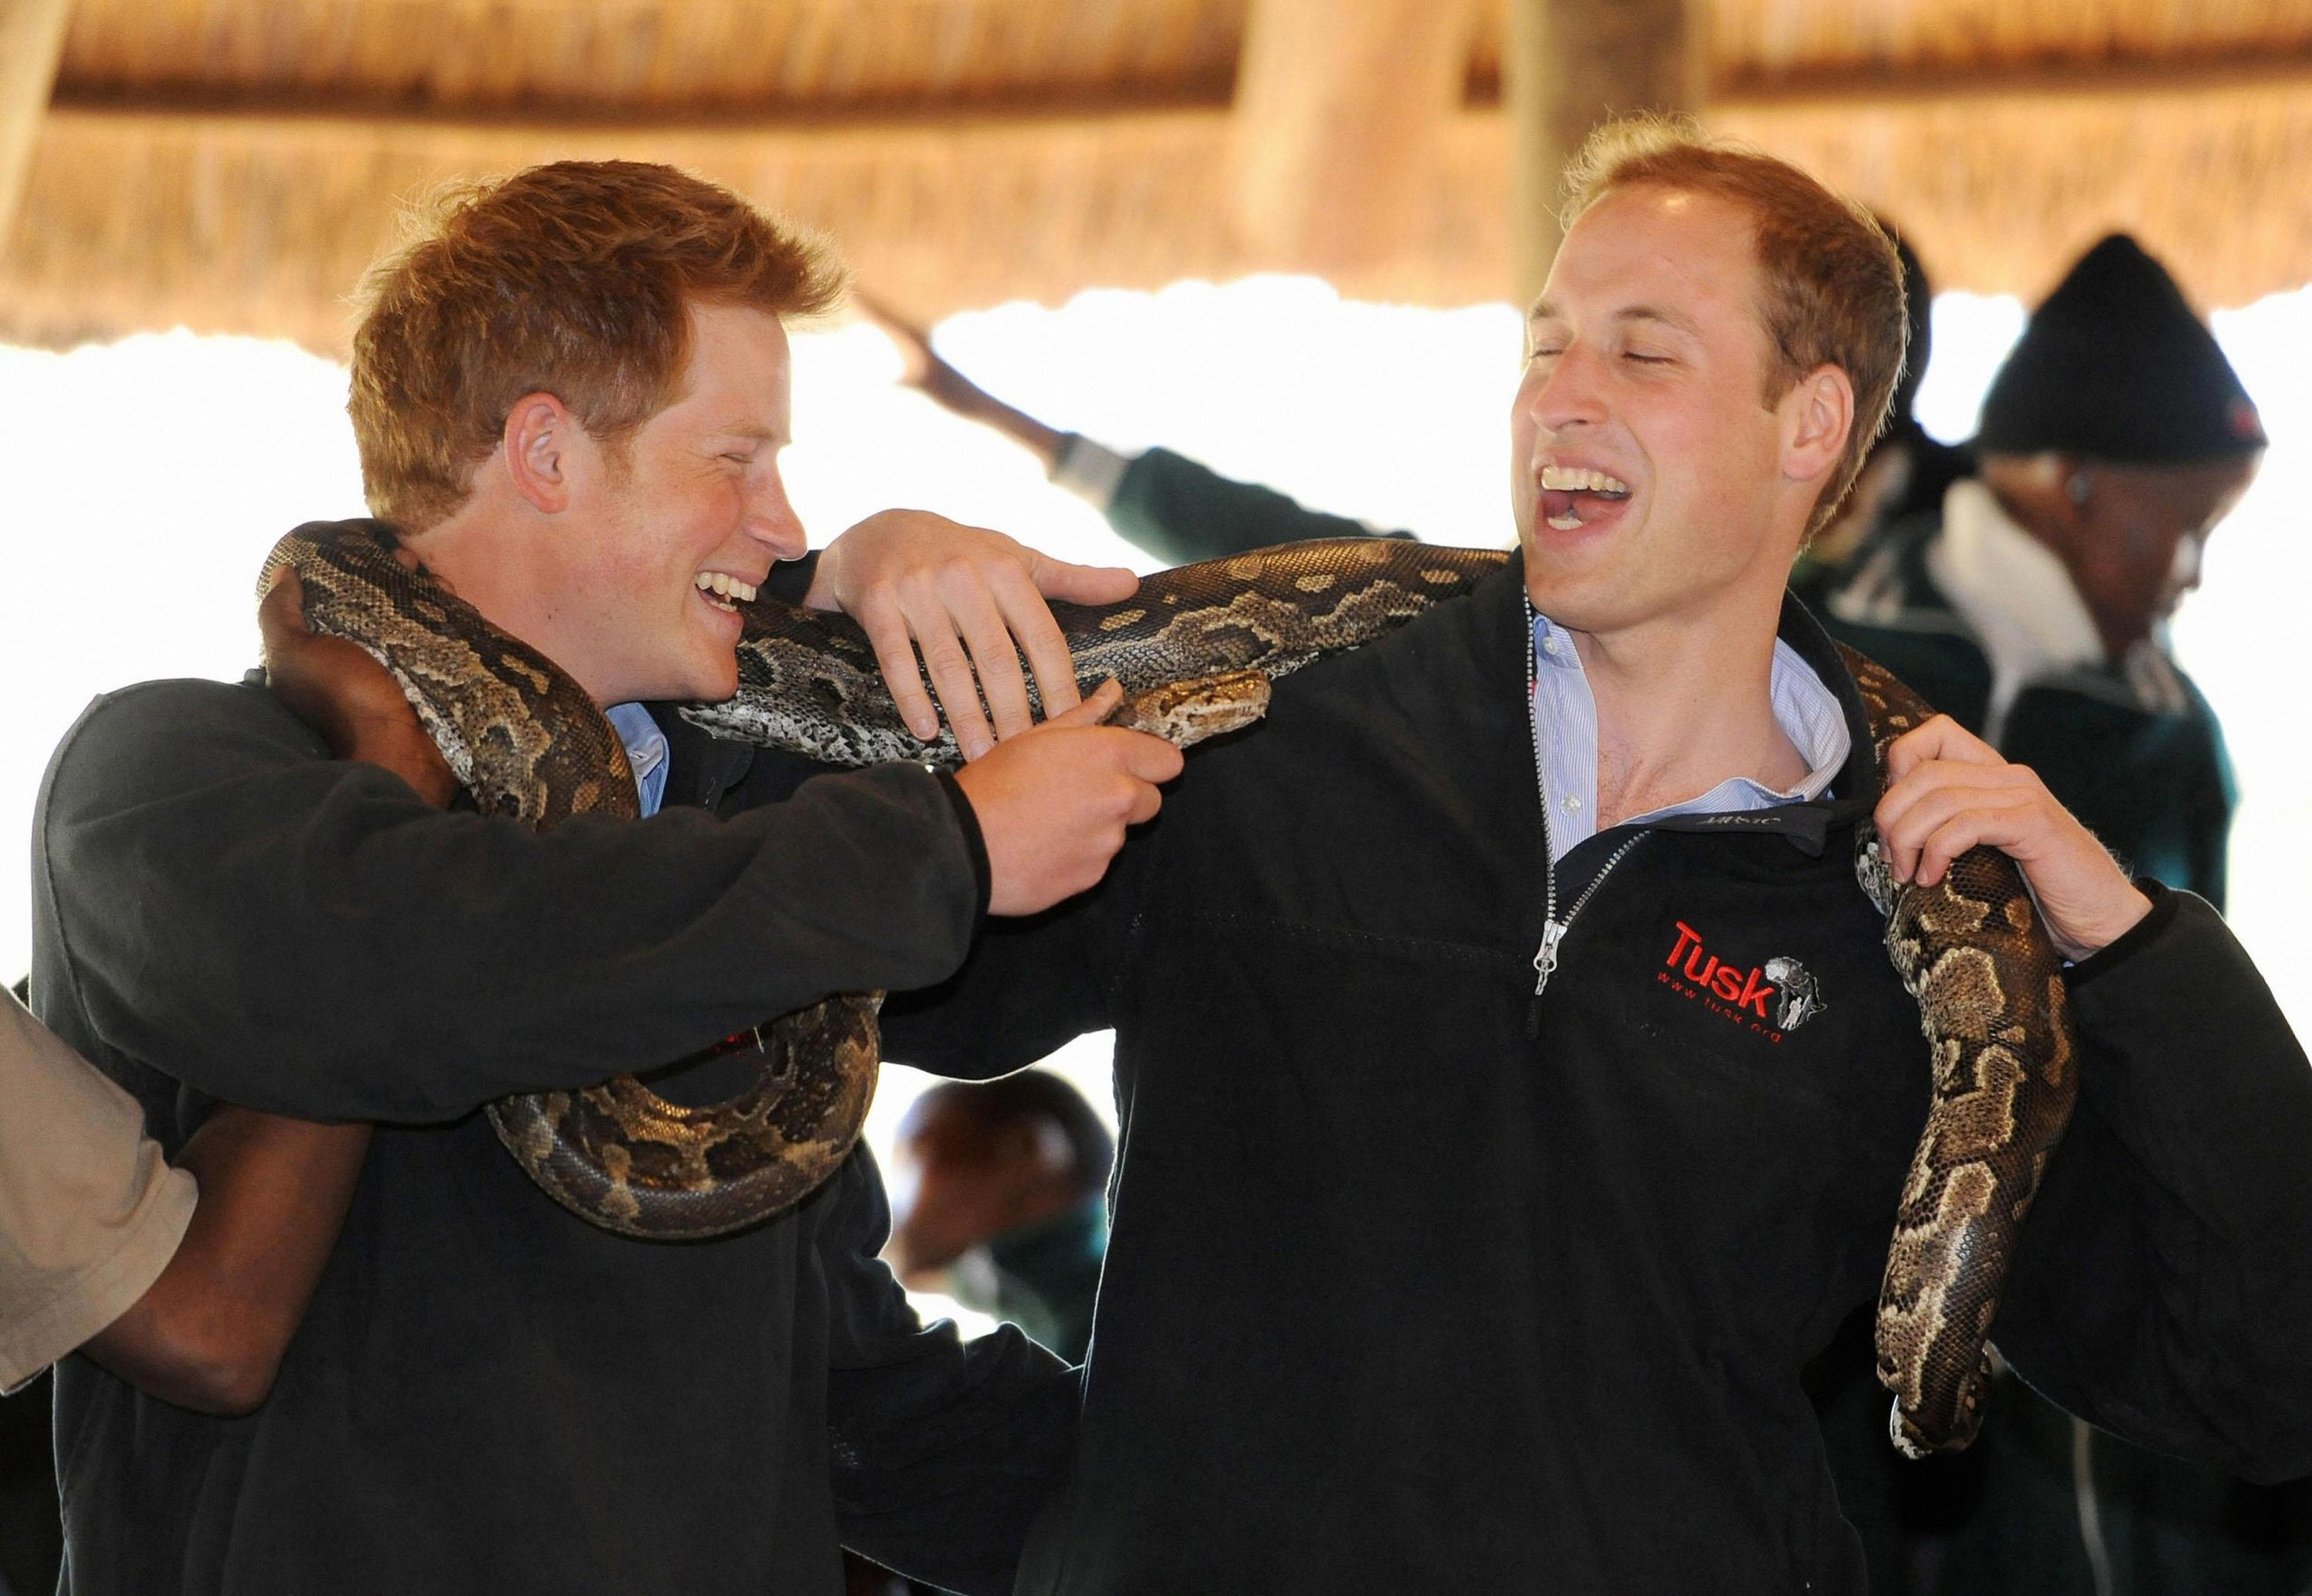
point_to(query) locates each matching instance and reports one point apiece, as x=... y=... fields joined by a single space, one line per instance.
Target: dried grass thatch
x=232 y=164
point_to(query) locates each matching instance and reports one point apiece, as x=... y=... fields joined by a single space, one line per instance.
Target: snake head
x=1185 y=712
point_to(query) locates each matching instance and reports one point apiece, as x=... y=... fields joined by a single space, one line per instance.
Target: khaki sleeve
x=90 y=1211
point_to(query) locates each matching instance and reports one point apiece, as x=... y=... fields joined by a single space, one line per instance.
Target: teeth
x=1567 y=478
x=1565 y=523
x=725 y=586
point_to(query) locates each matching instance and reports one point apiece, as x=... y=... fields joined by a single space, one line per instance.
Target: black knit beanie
x=2114 y=366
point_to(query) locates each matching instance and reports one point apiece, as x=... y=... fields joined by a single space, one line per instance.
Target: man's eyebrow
x=1655 y=313
x=753 y=432
x=1544 y=311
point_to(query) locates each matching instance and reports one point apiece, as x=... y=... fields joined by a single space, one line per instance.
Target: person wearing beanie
x=2029 y=604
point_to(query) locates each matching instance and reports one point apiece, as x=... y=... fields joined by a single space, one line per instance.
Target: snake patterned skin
x=809 y=681
x=1998 y=1019
x=529 y=743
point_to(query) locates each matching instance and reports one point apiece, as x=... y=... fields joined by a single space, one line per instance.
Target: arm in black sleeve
x=940 y=1451
x=306 y=936
x=1180 y=512
x=1030 y=984
x=2164 y=1280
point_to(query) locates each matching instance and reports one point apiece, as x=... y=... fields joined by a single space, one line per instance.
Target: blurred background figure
x=1907 y=468
x=998 y=1199
x=1168 y=506
x=2030 y=601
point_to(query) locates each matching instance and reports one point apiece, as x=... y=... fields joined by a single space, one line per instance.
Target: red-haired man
x=571 y=395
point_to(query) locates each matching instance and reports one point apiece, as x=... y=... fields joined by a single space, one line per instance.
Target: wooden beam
x=1568 y=65
x=31 y=42
x=263 y=118
x=1341 y=115
x=2188 y=77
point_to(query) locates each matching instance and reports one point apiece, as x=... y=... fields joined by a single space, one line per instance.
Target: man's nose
x=1570 y=393
x=772 y=519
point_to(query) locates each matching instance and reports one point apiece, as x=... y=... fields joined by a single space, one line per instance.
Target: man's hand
x=1053 y=803
x=961 y=594
x=336 y=689
x=1950 y=791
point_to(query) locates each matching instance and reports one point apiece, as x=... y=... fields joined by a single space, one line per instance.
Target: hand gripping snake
x=1194 y=648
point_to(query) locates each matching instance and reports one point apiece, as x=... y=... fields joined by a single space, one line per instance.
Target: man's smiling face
x=1646 y=470
x=689 y=514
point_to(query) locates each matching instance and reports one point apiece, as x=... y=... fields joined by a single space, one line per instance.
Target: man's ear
x=536 y=448
x=1818 y=418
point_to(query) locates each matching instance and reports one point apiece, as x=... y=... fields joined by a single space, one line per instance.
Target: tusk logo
x=1739 y=994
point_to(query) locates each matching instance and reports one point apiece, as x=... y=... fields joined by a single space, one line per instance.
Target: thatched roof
x=233 y=164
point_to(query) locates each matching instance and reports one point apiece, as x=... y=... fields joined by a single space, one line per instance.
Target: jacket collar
x=1500 y=639
x=700 y=767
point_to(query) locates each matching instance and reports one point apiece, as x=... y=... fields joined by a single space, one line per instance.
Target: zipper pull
x=1545 y=961
x=1545 y=966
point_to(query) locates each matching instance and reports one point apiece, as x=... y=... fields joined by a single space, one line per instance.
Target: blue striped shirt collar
x=1566 y=716
x=646 y=751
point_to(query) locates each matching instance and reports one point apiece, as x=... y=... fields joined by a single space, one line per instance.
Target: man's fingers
x=1040 y=638
x=1092 y=711
x=1150 y=758
x=950 y=669
x=1081 y=585
x=886 y=633
x=1922 y=780
x=1943 y=824
x=1971 y=829
x=1941 y=738
x=1146 y=799
x=967 y=604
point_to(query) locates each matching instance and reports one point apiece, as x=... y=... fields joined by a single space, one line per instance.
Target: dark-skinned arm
x=210 y=1332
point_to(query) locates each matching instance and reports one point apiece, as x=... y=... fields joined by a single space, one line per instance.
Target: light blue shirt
x=646 y=751
x=1565 y=713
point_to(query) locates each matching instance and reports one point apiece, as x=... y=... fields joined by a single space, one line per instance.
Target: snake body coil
x=529 y=743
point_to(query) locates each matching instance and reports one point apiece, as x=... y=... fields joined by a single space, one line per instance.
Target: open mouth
x=1570 y=495
x=723 y=590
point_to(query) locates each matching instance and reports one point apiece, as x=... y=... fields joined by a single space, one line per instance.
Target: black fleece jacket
x=1419 y=1283
x=488 y=1394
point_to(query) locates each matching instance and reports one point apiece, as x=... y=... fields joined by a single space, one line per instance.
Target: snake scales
x=528 y=744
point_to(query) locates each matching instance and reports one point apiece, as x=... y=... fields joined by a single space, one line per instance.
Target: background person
x=2029 y=602
x=1000 y=1200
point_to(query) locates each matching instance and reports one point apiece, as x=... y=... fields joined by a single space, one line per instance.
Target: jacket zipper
x=1553 y=929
